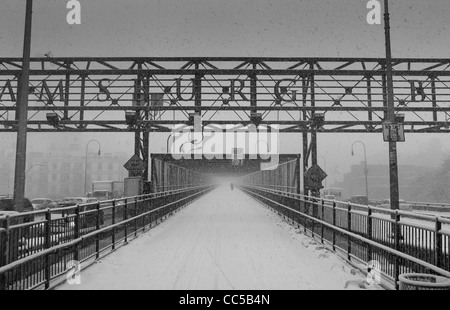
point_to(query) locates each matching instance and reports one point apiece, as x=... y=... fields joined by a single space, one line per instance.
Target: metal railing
x=400 y=241
x=37 y=247
x=429 y=206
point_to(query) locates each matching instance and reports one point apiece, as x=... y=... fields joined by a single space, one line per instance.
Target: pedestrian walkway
x=225 y=240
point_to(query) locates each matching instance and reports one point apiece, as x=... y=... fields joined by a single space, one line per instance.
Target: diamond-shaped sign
x=314 y=177
x=134 y=164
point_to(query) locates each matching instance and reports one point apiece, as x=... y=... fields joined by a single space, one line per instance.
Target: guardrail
x=34 y=252
x=430 y=206
x=400 y=241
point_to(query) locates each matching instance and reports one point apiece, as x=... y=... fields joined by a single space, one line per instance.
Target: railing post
x=438 y=244
x=125 y=217
x=369 y=233
x=349 y=229
x=303 y=206
x=97 y=236
x=113 y=220
x=135 y=214
x=397 y=248
x=47 y=245
x=334 y=225
x=4 y=251
x=322 y=218
x=313 y=222
x=76 y=231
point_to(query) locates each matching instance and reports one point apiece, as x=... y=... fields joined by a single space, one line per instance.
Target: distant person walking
x=231 y=186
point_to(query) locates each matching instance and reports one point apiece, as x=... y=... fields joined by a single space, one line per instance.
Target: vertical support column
x=145 y=152
x=297 y=174
x=305 y=82
x=154 y=175
x=137 y=142
x=198 y=91
x=82 y=96
x=67 y=90
x=137 y=97
x=163 y=175
x=393 y=164
x=433 y=96
x=384 y=86
x=253 y=89
x=22 y=115
x=369 y=96
x=146 y=132
x=314 y=193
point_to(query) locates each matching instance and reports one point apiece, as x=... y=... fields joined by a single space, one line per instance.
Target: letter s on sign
x=74 y=16
x=374 y=16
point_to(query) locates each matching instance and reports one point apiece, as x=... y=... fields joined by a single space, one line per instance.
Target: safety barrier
x=397 y=241
x=37 y=247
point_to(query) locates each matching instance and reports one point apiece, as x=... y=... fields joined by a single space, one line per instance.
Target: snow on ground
x=225 y=240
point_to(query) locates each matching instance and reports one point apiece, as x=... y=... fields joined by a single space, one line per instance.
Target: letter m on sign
x=45 y=90
x=10 y=90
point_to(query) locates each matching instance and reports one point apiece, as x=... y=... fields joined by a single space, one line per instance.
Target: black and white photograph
x=224 y=151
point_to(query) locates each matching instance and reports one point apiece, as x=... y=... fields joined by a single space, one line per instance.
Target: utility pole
x=22 y=114
x=393 y=164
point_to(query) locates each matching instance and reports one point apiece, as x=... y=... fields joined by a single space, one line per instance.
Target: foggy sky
x=257 y=28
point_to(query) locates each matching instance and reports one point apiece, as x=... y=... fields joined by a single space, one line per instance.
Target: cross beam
x=93 y=94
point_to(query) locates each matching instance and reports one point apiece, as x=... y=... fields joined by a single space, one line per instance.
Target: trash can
x=420 y=281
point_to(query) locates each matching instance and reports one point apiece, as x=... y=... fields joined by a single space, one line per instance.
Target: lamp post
x=366 y=171
x=85 y=164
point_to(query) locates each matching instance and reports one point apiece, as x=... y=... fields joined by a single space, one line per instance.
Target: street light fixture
x=29 y=169
x=366 y=171
x=85 y=164
x=33 y=167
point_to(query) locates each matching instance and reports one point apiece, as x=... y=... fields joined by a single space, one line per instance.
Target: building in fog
x=354 y=182
x=60 y=172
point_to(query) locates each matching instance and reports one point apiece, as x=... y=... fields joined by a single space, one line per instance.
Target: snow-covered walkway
x=225 y=240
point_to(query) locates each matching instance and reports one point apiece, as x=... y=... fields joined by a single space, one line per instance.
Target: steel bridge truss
x=154 y=94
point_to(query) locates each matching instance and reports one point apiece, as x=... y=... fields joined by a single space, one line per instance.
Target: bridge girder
x=93 y=94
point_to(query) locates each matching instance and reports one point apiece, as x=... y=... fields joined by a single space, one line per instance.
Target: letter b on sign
x=374 y=16
x=74 y=16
